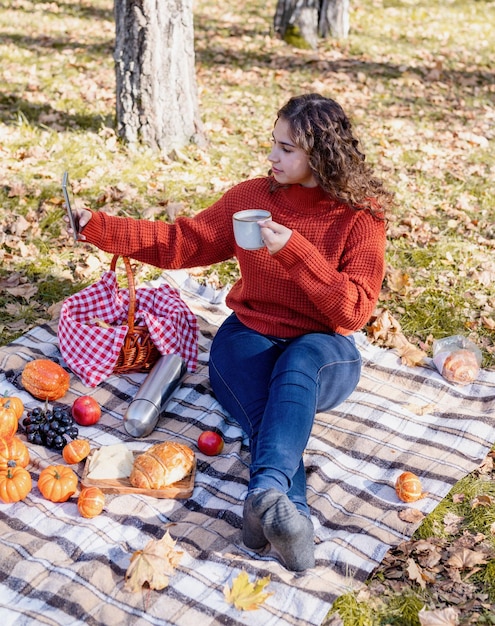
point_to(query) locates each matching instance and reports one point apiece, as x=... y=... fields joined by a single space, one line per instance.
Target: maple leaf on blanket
x=245 y=595
x=386 y=331
x=153 y=565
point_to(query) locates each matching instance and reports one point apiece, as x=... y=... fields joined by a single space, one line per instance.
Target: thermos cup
x=143 y=412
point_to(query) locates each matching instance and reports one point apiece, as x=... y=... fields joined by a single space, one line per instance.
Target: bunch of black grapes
x=50 y=427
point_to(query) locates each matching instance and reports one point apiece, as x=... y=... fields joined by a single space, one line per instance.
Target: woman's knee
x=335 y=364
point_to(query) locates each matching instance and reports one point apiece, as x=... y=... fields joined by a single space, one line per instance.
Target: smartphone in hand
x=73 y=220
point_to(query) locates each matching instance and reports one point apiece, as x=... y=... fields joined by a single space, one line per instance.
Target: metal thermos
x=143 y=412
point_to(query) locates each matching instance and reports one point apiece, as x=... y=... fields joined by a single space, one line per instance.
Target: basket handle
x=132 y=289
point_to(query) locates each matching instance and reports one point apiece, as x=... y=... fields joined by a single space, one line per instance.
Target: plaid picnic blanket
x=58 y=568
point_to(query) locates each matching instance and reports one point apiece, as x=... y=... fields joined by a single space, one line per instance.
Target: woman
x=287 y=350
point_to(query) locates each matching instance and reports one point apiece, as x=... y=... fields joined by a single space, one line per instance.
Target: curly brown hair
x=319 y=126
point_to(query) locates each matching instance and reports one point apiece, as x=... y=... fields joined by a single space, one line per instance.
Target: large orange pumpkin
x=15 y=403
x=45 y=379
x=15 y=484
x=57 y=483
x=408 y=487
x=13 y=452
x=76 y=451
x=91 y=501
x=8 y=421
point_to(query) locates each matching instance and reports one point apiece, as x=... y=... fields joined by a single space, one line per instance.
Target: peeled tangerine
x=408 y=487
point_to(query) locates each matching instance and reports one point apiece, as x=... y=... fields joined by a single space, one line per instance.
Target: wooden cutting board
x=180 y=490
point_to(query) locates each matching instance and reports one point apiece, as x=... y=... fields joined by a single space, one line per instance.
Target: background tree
x=301 y=22
x=157 y=101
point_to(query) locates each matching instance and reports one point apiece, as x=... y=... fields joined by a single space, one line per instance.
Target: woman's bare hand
x=274 y=235
x=82 y=218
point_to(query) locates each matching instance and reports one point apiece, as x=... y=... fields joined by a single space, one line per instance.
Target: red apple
x=210 y=443
x=86 y=411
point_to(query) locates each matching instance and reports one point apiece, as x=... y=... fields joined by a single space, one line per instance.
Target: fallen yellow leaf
x=245 y=595
x=153 y=565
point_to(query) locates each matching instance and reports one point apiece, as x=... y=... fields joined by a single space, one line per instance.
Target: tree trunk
x=157 y=101
x=334 y=19
x=300 y=22
x=296 y=21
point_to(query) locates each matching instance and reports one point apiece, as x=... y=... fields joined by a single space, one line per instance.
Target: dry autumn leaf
x=466 y=559
x=483 y=500
x=488 y=322
x=486 y=466
x=398 y=281
x=415 y=573
x=411 y=355
x=246 y=595
x=412 y=516
x=153 y=565
x=452 y=523
x=26 y=291
x=386 y=331
x=439 y=617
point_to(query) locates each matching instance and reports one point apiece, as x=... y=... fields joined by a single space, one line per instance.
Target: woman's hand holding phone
x=75 y=218
x=82 y=217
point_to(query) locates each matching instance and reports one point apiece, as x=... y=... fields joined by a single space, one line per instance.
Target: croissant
x=161 y=465
x=461 y=367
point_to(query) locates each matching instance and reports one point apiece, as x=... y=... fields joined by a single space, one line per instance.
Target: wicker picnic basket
x=138 y=352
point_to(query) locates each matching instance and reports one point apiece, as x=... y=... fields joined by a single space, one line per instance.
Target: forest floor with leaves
x=417 y=79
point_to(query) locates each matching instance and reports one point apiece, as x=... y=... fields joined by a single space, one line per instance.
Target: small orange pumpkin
x=91 y=501
x=76 y=451
x=45 y=379
x=57 y=483
x=15 y=403
x=13 y=452
x=15 y=484
x=8 y=421
x=408 y=487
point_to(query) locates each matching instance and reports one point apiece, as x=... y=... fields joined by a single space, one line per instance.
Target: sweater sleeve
x=346 y=295
x=189 y=242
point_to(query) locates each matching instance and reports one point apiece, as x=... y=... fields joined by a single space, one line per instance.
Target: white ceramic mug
x=247 y=232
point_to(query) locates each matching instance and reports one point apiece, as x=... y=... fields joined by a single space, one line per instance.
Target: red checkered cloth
x=91 y=351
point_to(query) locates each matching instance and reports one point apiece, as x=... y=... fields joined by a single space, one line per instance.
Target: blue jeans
x=273 y=388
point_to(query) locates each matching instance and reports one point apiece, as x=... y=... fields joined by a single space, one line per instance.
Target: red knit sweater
x=326 y=278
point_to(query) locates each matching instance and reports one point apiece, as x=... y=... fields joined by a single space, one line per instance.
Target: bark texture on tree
x=301 y=22
x=157 y=101
x=296 y=21
x=334 y=18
